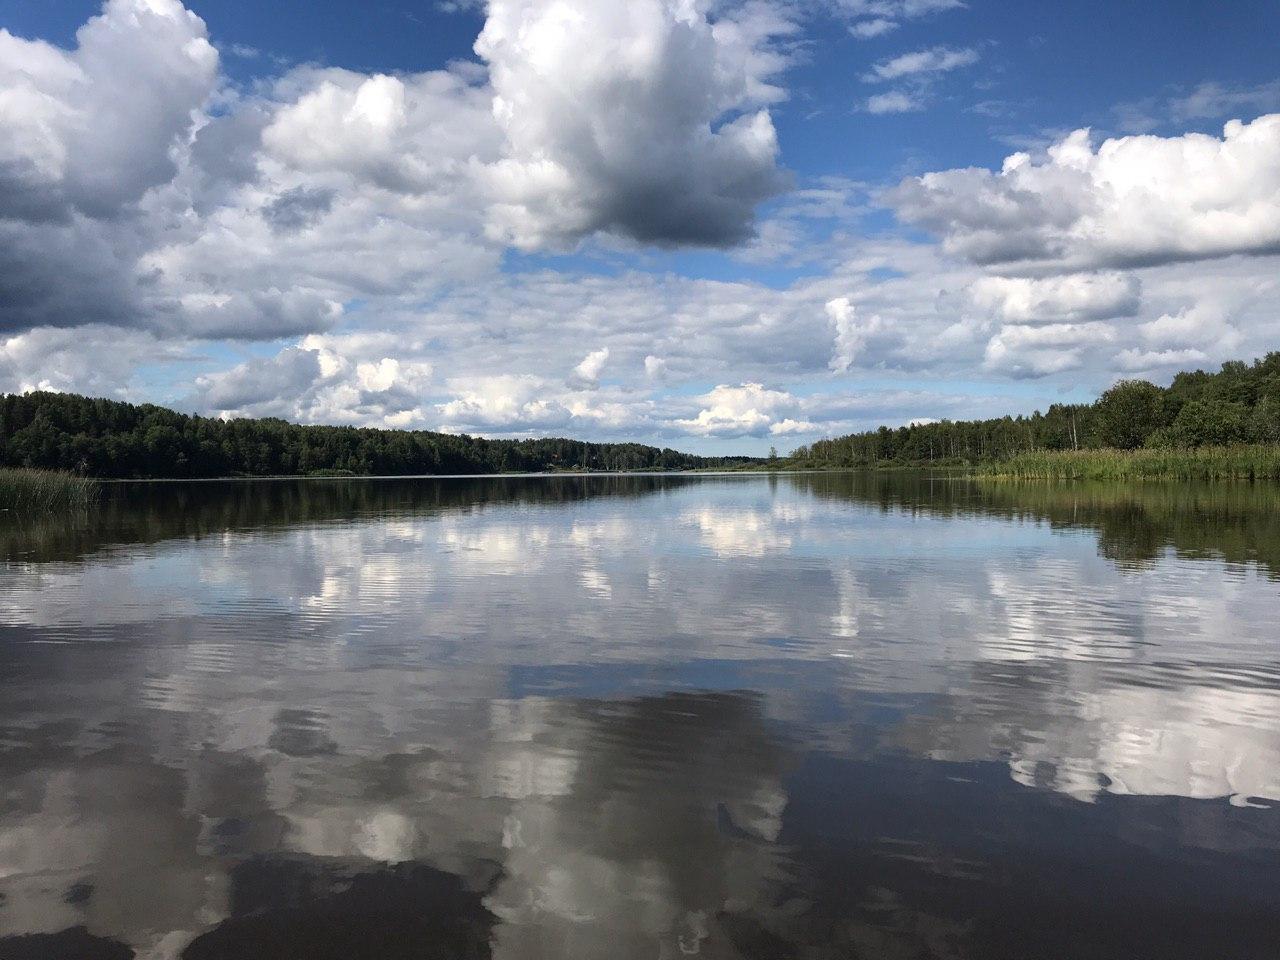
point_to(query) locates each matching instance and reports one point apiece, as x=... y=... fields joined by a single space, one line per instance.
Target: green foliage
x=1240 y=404
x=35 y=491
x=1128 y=413
x=1210 y=422
x=104 y=438
x=1264 y=422
x=1241 y=462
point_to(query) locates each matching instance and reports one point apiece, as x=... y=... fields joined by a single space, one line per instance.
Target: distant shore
x=24 y=490
x=1237 y=462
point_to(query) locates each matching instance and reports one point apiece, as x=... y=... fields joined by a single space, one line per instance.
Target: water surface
x=817 y=716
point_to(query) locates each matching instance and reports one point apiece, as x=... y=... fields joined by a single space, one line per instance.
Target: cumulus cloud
x=643 y=119
x=851 y=332
x=525 y=404
x=362 y=220
x=67 y=274
x=746 y=410
x=1134 y=360
x=504 y=402
x=87 y=132
x=259 y=381
x=405 y=134
x=588 y=371
x=98 y=360
x=1038 y=351
x=1202 y=325
x=257 y=314
x=788 y=427
x=126 y=197
x=1080 y=296
x=90 y=130
x=297 y=208
x=327 y=378
x=1133 y=201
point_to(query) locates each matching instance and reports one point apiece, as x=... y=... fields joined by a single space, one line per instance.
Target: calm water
x=651 y=718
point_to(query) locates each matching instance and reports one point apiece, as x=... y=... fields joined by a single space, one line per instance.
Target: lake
x=811 y=716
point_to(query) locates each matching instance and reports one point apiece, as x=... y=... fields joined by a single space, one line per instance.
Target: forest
x=113 y=440
x=1239 y=404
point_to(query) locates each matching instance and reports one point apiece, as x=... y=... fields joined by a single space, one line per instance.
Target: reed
x=25 y=491
x=1243 y=462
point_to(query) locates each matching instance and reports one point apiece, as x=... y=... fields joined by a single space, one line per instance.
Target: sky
x=717 y=225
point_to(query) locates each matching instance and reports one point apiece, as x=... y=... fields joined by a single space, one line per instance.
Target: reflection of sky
x=519 y=696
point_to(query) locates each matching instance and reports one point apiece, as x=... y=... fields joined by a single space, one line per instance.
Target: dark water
x=811 y=717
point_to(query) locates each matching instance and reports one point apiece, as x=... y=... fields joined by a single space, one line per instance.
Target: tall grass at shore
x=1244 y=462
x=41 y=491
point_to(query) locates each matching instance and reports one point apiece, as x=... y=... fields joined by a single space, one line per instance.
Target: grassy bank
x=38 y=491
x=1244 y=462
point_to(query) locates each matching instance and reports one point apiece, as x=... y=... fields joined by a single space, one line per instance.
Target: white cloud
x=87 y=133
x=1133 y=201
x=874 y=18
x=380 y=376
x=326 y=186
x=260 y=381
x=327 y=378
x=1038 y=351
x=894 y=101
x=900 y=9
x=868 y=29
x=1202 y=325
x=1134 y=360
x=98 y=360
x=851 y=333
x=789 y=427
x=414 y=134
x=506 y=402
x=345 y=215
x=1080 y=296
x=92 y=129
x=1216 y=100
x=933 y=60
x=878 y=18
x=526 y=404
x=592 y=365
x=746 y=410
x=640 y=119
x=258 y=314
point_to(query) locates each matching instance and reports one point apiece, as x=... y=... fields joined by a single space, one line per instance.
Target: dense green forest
x=105 y=438
x=1238 y=404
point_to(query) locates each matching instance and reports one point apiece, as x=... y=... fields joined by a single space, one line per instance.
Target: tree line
x=1238 y=404
x=110 y=439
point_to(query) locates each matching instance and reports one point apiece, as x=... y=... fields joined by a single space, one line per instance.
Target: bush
x=1264 y=423
x=1204 y=423
x=1130 y=412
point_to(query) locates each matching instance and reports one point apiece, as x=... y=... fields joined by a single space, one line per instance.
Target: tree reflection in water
x=817 y=716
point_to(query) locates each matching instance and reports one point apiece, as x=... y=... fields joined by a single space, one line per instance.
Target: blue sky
x=711 y=224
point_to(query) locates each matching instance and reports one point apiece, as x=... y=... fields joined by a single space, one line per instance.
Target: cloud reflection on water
x=619 y=723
